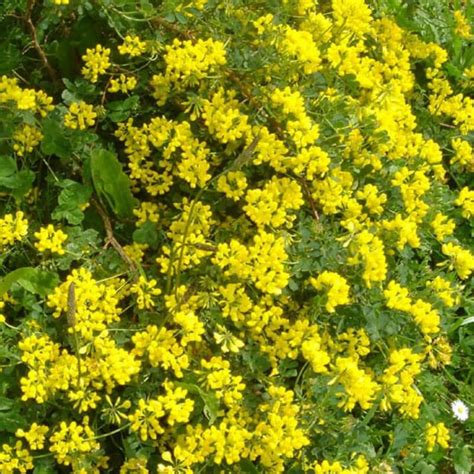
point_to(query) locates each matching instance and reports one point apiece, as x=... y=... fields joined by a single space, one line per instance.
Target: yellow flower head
x=50 y=239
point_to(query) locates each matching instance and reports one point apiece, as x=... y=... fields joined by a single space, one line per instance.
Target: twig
x=110 y=239
x=34 y=37
x=309 y=198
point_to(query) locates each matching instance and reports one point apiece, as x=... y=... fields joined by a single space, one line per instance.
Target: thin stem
x=36 y=45
x=110 y=433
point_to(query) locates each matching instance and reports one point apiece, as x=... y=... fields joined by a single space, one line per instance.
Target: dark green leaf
x=462 y=460
x=111 y=183
x=36 y=281
x=55 y=140
x=146 y=234
x=72 y=197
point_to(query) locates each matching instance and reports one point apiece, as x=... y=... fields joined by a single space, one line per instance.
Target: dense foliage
x=236 y=236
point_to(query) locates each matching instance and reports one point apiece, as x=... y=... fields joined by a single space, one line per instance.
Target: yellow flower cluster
x=35 y=436
x=147 y=418
x=442 y=226
x=145 y=291
x=337 y=289
x=219 y=378
x=466 y=201
x=223 y=118
x=15 y=459
x=423 y=313
x=12 y=228
x=368 y=249
x=24 y=99
x=132 y=46
x=97 y=61
x=352 y=15
x=90 y=306
x=460 y=259
x=181 y=146
x=163 y=349
x=80 y=116
x=269 y=206
x=302 y=130
x=50 y=239
x=123 y=84
x=436 y=434
x=463 y=28
x=444 y=291
x=148 y=211
x=187 y=62
x=26 y=138
x=359 y=387
x=232 y=184
x=361 y=466
x=72 y=441
x=463 y=154
x=263 y=262
x=300 y=46
x=189 y=235
x=398 y=382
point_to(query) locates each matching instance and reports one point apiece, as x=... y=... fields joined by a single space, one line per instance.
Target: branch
x=34 y=37
x=110 y=239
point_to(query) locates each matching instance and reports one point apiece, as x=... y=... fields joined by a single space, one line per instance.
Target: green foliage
x=203 y=205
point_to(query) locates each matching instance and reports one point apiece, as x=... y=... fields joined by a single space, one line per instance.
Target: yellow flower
x=466 y=201
x=123 y=84
x=12 y=229
x=337 y=289
x=97 y=61
x=227 y=340
x=463 y=28
x=146 y=419
x=26 y=138
x=35 y=436
x=72 y=441
x=145 y=291
x=80 y=116
x=442 y=226
x=50 y=239
x=132 y=45
x=436 y=434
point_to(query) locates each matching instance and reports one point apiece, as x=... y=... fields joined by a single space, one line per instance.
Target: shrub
x=236 y=236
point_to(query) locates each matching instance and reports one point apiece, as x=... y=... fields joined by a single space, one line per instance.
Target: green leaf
x=146 y=234
x=7 y=167
x=6 y=403
x=19 y=182
x=111 y=183
x=462 y=460
x=248 y=467
x=10 y=421
x=35 y=281
x=55 y=140
x=120 y=110
x=72 y=197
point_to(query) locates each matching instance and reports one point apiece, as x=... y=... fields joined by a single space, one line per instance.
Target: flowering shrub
x=236 y=236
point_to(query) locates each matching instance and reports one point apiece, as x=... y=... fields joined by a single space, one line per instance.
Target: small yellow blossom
x=26 y=138
x=50 y=239
x=337 y=289
x=80 y=116
x=145 y=291
x=123 y=84
x=436 y=434
x=132 y=45
x=35 y=436
x=97 y=61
